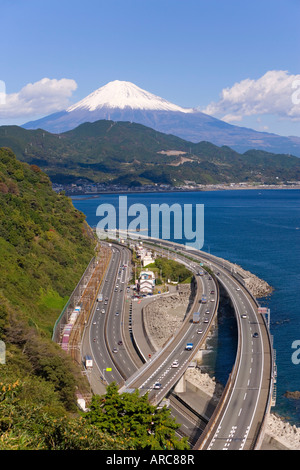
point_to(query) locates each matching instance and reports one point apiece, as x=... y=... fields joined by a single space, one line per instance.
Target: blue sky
x=187 y=52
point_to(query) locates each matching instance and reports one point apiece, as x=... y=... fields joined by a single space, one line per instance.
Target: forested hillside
x=130 y=153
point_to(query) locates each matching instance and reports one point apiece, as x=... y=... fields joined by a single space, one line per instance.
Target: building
x=146 y=282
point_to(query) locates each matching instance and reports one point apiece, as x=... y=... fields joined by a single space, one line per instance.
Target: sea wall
x=165 y=314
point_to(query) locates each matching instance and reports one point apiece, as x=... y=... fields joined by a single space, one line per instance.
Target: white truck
x=196 y=317
x=88 y=362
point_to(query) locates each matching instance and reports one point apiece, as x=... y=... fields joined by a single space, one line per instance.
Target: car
x=94 y=323
x=175 y=363
x=157 y=386
x=199 y=331
x=212 y=300
x=117 y=313
x=103 y=310
x=120 y=343
x=237 y=288
x=206 y=320
x=255 y=335
x=115 y=350
x=212 y=291
x=207 y=312
x=244 y=315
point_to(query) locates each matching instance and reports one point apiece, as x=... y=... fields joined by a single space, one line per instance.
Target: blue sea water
x=260 y=231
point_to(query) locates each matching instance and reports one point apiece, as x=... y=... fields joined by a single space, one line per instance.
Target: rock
x=293 y=395
x=283 y=432
x=164 y=315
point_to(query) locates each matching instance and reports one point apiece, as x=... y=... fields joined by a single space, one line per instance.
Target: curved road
x=244 y=409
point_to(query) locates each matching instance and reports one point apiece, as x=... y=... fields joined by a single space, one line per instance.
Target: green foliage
x=136 y=419
x=27 y=424
x=44 y=242
x=172 y=270
x=45 y=246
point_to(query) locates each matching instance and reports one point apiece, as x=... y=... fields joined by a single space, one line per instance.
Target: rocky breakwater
x=258 y=287
x=164 y=315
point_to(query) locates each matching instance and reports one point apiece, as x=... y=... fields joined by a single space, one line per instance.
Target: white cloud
x=43 y=97
x=276 y=93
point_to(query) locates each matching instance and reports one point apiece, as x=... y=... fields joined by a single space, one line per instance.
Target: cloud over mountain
x=273 y=93
x=42 y=97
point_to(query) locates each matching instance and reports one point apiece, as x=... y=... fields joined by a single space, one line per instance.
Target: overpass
x=238 y=421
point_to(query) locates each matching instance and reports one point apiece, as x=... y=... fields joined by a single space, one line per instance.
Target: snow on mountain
x=122 y=95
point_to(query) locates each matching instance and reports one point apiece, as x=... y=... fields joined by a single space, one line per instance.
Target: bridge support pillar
x=180 y=387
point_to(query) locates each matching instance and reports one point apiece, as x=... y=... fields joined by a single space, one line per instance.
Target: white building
x=147 y=282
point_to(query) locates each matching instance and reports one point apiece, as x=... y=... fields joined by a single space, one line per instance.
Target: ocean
x=258 y=230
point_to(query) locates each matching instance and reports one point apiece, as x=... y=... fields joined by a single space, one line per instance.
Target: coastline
x=80 y=191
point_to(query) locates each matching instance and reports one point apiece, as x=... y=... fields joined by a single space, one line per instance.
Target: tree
x=132 y=416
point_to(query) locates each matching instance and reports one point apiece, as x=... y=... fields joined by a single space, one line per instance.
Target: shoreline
x=207 y=188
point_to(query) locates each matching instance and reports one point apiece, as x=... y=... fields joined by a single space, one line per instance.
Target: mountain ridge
x=111 y=102
x=108 y=151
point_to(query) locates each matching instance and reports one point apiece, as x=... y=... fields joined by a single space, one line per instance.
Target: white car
x=175 y=363
x=157 y=386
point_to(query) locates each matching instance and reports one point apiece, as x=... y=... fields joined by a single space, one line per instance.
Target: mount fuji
x=125 y=101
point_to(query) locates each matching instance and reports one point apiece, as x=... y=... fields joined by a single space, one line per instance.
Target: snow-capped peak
x=121 y=94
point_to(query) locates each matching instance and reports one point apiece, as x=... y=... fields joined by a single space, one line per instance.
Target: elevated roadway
x=238 y=421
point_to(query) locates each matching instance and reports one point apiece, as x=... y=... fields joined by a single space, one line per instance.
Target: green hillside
x=107 y=151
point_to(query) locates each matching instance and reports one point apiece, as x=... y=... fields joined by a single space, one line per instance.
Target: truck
x=88 y=362
x=203 y=299
x=189 y=346
x=196 y=317
x=100 y=298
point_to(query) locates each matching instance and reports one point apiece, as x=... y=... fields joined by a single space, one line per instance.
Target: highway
x=159 y=375
x=103 y=339
x=243 y=407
